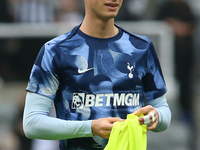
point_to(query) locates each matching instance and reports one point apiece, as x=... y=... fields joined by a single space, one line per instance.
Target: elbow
x=33 y=127
x=27 y=130
x=27 y=133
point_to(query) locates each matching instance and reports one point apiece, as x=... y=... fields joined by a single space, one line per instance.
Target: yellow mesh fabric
x=128 y=135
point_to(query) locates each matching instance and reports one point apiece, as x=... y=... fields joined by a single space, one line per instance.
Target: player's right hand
x=103 y=126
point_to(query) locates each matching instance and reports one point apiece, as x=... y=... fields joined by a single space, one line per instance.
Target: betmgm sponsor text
x=81 y=100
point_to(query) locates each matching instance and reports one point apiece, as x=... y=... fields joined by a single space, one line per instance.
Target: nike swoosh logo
x=84 y=70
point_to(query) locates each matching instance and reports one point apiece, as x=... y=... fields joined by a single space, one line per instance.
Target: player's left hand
x=150 y=117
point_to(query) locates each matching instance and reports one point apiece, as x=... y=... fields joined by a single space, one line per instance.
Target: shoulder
x=140 y=42
x=64 y=41
x=135 y=36
x=57 y=40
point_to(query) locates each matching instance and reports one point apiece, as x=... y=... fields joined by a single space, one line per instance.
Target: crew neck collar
x=114 y=38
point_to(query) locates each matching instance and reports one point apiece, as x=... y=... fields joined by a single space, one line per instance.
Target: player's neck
x=99 y=28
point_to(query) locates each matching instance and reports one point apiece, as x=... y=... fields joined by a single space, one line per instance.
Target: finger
x=152 y=127
x=114 y=119
x=108 y=127
x=105 y=134
x=144 y=110
x=147 y=119
x=110 y=121
x=141 y=120
x=153 y=124
x=152 y=116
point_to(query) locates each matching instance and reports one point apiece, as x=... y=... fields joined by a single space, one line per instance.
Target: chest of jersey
x=105 y=78
x=107 y=68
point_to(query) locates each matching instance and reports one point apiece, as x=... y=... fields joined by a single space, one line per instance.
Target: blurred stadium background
x=20 y=43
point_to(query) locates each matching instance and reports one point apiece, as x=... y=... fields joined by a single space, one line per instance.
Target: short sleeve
x=43 y=78
x=153 y=81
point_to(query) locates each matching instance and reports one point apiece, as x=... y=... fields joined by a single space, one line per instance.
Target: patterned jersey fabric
x=90 y=78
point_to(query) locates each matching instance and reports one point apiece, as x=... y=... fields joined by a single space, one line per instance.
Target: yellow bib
x=128 y=135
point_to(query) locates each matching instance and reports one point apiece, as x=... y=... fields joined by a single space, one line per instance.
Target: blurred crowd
x=179 y=14
x=40 y=11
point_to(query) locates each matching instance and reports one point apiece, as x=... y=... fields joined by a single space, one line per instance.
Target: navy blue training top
x=90 y=78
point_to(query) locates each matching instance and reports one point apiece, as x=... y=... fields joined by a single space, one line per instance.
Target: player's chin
x=112 y=15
